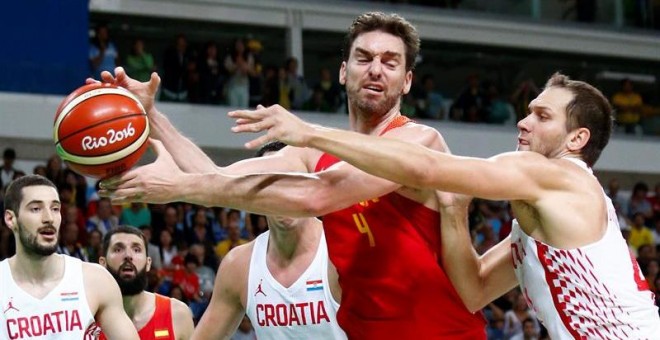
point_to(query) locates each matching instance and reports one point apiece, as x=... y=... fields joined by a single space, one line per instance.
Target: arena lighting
x=638 y=78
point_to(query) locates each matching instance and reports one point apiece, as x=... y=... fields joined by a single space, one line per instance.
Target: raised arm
x=289 y=194
x=509 y=176
x=102 y=290
x=226 y=310
x=477 y=279
x=182 y=320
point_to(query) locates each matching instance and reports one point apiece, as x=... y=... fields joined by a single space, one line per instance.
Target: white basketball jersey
x=62 y=314
x=305 y=310
x=592 y=292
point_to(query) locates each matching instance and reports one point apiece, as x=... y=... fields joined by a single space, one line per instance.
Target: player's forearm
x=188 y=156
x=460 y=260
x=387 y=158
x=266 y=194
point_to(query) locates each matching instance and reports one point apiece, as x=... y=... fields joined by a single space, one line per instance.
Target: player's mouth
x=127 y=269
x=522 y=141
x=48 y=233
x=374 y=88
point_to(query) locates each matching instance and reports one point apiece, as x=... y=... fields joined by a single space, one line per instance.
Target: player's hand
x=145 y=92
x=279 y=124
x=152 y=183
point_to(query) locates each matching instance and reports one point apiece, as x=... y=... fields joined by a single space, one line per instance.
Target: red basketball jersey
x=387 y=253
x=160 y=326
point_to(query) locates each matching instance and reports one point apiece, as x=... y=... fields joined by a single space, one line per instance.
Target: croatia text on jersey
x=43 y=325
x=292 y=314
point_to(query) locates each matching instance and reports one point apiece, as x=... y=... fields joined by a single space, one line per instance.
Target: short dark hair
x=122 y=229
x=9 y=153
x=274 y=146
x=588 y=109
x=14 y=192
x=388 y=23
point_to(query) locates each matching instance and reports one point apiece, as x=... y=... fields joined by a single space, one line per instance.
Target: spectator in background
x=168 y=250
x=239 y=64
x=234 y=239
x=639 y=202
x=153 y=251
x=514 y=318
x=429 y=101
x=39 y=170
x=94 y=248
x=69 y=242
x=522 y=96
x=299 y=91
x=317 y=102
x=613 y=192
x=175 y=71
x=103 y=55
x=639 y=233
x=330 y=88
x=530 y=330
x=139 y=63
x=655 y=201
x=136 y=215
x=54 y=170
x=469 y=106
x=103 y=220
x=628 y=105
x=7 y=171
x=255 y=47
x=271 y=88
x=284 y=89
x=497 y=110
x=211 y=75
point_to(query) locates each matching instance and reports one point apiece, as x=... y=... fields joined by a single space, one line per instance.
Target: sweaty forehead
x=379 y=42
x=41 y=193
x=126 y=239
x=555 y=99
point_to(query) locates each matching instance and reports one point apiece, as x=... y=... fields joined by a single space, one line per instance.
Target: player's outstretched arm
x=506 y=176
x=226 y=310
x=289 y=194
x=110 y=314
x=182 y=320
x=477 y=279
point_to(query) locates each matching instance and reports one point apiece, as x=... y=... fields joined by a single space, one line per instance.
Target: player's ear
x=103 y=262
x=578 y=139
x=10 y=217
x=148 y=263
x=342 y=73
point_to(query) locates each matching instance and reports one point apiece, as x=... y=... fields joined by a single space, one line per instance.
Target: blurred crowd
x=238 y=76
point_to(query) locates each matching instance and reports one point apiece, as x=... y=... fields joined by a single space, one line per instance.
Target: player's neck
x=371 y=124
x=135 y=305
x=35 y=268
x=287 y=244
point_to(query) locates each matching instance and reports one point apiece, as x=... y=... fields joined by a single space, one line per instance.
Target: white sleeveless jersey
x=592 y=292
x=305 y=310
x=62 y=314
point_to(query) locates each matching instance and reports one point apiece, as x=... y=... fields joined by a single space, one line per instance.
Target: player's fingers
x=249 y=114
x=91 y=81
x=107 y=77
x=257 y=142
x=260 y=107
x=154 y=82
x=251 y=127
x=127 y=196
x=242 y=121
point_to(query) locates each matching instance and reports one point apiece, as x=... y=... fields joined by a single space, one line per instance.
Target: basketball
x=100 y=130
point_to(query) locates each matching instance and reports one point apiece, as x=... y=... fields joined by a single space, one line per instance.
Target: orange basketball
x=100 y=130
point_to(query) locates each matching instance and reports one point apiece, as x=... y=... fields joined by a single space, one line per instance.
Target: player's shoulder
x=418 y=133
x=238 y=259
x=179 y=309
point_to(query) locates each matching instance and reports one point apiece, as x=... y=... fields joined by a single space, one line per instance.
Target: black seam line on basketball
x=97 y=124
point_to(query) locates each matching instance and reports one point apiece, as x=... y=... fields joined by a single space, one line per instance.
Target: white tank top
x=305 y=310
x=62 y=314
x=592 y=292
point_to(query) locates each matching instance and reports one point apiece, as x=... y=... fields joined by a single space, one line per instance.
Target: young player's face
x=38 y=220
x=375 y=74
x=126 y=259
x=544 y=129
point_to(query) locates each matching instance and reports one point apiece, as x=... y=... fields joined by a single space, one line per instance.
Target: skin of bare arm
x=227 y=306
x=477 y=279
x=182 y=320
x=104 y=293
